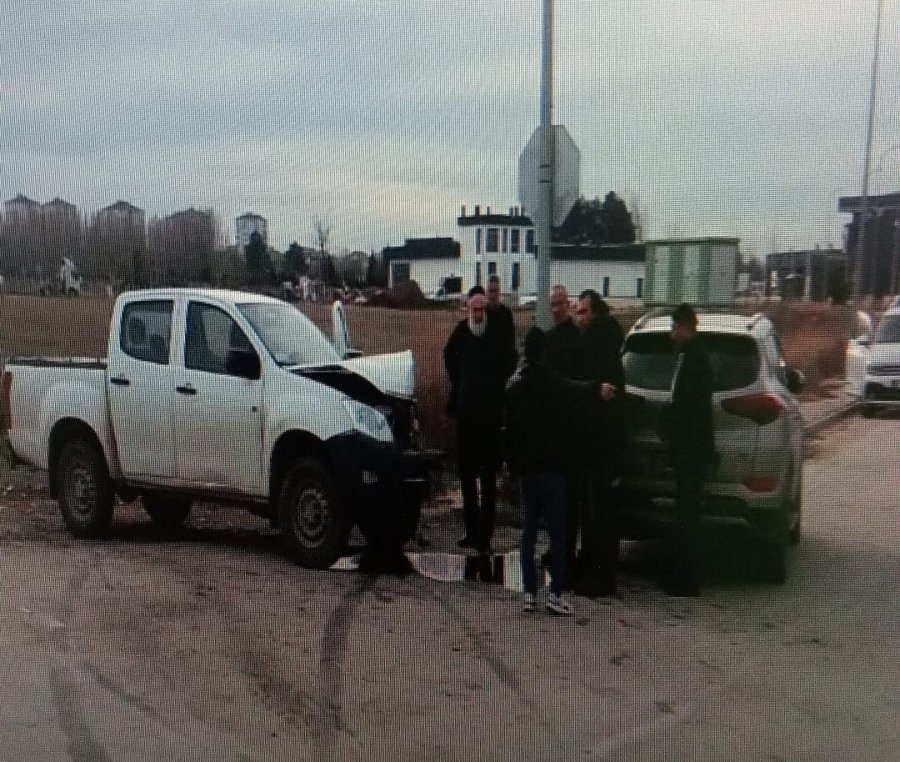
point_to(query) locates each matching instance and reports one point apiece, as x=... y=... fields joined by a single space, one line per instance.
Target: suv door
x=219 y=436
x=141 y=397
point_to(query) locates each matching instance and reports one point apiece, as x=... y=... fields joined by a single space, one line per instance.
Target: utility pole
x=544 y=221
x=864 y=213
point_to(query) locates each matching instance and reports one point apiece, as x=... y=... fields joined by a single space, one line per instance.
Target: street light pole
x=864 y=213
x=544 y=221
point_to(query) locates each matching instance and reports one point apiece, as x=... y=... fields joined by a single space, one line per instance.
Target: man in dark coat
x=536 y=426
x=598 y=436
x=478 y=359
x=498 y=312
x=687 y=426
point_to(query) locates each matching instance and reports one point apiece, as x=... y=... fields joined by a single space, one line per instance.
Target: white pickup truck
x=225 y=397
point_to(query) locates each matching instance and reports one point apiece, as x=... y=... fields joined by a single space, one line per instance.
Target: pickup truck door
x=139 y=389
x=218 y=436
x=859 y=348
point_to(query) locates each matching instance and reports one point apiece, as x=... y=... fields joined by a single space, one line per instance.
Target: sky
x=382 y=118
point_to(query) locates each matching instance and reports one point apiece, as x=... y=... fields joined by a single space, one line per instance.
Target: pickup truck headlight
x=369 y=421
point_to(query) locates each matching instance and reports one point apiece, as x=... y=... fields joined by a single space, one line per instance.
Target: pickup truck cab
x=873 y=362
x=226 y=397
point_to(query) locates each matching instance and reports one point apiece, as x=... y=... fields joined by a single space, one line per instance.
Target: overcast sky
x=383 y=117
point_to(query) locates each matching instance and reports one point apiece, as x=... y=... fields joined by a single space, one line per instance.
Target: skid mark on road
x=83 y=745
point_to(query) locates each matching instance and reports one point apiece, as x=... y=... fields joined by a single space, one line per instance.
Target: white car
x=759 y=432
x=873 y=362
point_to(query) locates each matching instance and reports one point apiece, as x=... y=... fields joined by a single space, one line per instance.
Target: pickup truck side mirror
x=863 y=341
x=352 y=354
x=243 y=363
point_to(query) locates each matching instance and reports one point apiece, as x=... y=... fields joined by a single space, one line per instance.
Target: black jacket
x=478 y=368
x=537 y=416
x=688 y=422
x=564 y=349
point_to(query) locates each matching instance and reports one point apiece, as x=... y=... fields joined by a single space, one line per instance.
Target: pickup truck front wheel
x=314 y=522
x=86 y=496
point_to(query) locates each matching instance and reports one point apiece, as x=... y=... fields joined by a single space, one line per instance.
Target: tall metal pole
x=864 y=213
x=544 y=221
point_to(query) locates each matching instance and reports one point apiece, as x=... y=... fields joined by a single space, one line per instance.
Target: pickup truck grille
x=884 y=370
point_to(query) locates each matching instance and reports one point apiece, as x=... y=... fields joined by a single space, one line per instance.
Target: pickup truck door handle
x=186 y=389
x=119 y=381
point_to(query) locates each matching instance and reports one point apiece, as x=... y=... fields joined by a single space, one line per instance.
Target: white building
x=248 y=224
x=424 y=260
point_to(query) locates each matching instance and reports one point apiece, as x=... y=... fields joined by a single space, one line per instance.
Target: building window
x=606 y=285
x=515 y=274
x=492 y=268
x=514 y=241
x=529 y=241
x=478 y=240
x=640 y=288
x=399 y=272
x=478 y=273
x=505 y=240
x=492 y=240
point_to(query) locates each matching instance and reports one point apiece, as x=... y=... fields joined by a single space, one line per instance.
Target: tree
x=259 y=265
x=376 y=272
x=594 y=223
x=295 y=260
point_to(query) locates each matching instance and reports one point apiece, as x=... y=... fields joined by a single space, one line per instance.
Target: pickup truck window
x=211 y=334
x=290 y=336
x=145 y=330
x=889 y=330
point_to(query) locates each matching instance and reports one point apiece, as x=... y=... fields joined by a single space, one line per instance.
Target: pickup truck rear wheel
x=391 y=532
x=314 y=522
x=86 y=497
x=167 y=513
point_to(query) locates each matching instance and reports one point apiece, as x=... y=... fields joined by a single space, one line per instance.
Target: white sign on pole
x=565 y=179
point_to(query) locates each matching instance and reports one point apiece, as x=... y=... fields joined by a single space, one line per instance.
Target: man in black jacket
x=688 y=428
x=498 y=312
x=536 y=427
x=478 y=359
x=599 y=439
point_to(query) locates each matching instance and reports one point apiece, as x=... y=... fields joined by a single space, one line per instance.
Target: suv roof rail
x=647 y=316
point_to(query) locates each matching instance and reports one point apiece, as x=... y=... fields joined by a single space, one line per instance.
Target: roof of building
x=693 y=241
x=502 y=220
x=121 y=206
x=855 y=203
x=60 y=202
x=629 y=252
x=251 y=215
x=423 y=248
x=20 y=199
x=790 y=256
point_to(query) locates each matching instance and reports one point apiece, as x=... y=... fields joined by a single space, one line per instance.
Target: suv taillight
x=759 y=408
x=5 y=404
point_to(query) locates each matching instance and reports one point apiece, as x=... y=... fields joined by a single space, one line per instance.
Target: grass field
x=814 y=338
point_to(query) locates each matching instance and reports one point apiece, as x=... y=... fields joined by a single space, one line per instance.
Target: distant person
x=498 y=312
x=598 y=438
x=478 y=360
x=687 y=427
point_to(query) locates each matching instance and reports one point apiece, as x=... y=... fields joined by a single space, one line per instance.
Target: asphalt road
x=212 y=646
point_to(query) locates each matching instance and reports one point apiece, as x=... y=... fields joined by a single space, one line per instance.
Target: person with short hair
x=498 y=312
x=687 y=427
x=478 y=360
x=536 y=435
x=599 y=439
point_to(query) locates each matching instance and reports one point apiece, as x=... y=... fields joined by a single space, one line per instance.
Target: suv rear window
x=649 y=360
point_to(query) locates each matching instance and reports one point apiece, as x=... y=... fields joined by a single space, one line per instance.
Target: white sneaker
x=528 y=603
x=558 y=606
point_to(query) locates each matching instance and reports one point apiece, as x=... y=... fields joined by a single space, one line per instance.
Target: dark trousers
x=690 y=479
x=544 y=497
x=599 y=535
x=477 y=461
x=573 y=522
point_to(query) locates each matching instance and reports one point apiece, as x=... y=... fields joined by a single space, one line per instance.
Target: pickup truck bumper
x=377 y=476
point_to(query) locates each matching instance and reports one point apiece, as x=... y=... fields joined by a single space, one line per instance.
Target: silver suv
x=758 y=477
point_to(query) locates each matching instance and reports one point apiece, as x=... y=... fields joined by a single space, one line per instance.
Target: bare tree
x=185 y=247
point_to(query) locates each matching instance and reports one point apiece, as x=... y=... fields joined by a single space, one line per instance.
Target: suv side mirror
x=794 y=380
x=243 y=363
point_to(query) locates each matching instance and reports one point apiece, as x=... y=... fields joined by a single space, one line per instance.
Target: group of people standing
x=558 y=420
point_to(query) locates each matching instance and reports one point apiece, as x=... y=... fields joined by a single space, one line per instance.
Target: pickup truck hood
x=885 y=354
x=392 y=374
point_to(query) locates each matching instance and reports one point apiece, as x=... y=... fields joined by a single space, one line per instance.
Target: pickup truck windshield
x=889 y=330
x=290 y=336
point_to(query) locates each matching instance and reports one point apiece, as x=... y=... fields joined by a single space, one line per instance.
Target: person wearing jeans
x=544 y=497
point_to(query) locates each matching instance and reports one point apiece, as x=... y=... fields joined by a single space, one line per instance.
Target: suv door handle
x=186 y=389
x=119 y=381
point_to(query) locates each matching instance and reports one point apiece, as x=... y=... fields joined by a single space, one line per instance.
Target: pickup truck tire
x=86 y=496
x=314 y=522
x=391 y=532
x=167 y=513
